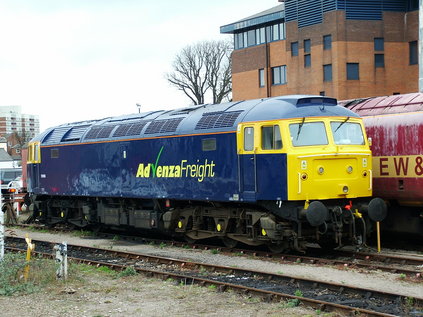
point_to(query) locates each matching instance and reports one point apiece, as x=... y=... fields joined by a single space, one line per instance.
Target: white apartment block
x=13 y=120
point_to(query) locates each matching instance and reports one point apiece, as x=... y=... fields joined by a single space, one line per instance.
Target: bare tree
x=220 y=70
x=203 y=67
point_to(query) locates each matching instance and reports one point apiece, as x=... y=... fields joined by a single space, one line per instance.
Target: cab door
x=247 y=162
x=33 y=166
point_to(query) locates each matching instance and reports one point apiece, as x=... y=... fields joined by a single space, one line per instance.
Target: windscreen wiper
x=340 y=125
x=299 y=128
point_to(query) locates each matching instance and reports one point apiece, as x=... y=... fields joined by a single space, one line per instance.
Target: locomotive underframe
x=279 y=225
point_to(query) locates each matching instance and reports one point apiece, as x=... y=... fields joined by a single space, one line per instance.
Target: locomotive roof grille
x=163 y=126
x=75 y=133
x=316 y=101
x=55 y=135
x=99 y=132
x=213 y=120
x=130 y=129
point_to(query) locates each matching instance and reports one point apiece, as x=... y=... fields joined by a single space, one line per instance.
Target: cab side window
x=271 y=138
x=248 y=139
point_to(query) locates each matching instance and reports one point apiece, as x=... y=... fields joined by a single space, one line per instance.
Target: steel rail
x=266 y=295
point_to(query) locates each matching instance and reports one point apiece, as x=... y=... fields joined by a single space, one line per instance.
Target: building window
x=353 y=71
x=261 y=77
x=294 y=48
x=379 y=44
x=307 y=60
x=307 y=46
x=327 y=42
x=279 y=75
x=251 y=37
x=413 y=5
x=322 y=93
x=259 y=36
x=413 y=53
x=327 y=72
x=379 y=60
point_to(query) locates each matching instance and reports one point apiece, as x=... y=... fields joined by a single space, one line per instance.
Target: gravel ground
x=140 y=296
x=376 y=280
x=100 y=294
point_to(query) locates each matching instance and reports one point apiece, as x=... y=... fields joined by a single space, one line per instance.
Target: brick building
x=340 y=48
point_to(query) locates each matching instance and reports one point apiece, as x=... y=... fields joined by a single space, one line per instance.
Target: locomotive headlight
x=345 y=189
x=349 y=169
x=320 y=170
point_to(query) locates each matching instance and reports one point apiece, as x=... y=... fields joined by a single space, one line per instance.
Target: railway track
x=271 y=287
x=405 y=265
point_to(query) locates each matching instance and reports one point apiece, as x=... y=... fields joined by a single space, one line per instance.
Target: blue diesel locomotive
x=281 y=171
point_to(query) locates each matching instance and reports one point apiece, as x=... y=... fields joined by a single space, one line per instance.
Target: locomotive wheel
x=277 y=247
x=229 y=243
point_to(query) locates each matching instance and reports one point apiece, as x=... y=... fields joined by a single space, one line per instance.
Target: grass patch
x=12 y=281
x=83 y=233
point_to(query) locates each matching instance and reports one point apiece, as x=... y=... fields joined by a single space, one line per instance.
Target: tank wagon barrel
x=280 y=171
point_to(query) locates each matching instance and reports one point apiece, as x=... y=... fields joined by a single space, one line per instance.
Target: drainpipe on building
x=420 y=45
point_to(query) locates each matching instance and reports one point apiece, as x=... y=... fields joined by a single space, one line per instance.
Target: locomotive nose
x=377 y=209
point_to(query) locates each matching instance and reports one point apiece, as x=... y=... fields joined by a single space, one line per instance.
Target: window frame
x=250 y=138
x=379 y=44
x=281 y=79
x=353 y=71
x=325 y=73
x=379 y=60
x=276 y=137
x=262 y=79
x=413 y=53
x=307 y=60
x=307 y=46
x=294 y=48
x=327 y=44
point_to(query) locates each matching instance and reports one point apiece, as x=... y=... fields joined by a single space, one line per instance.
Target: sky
x=76 y=60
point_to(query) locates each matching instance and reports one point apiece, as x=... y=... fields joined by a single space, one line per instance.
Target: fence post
x=62 y=260
x=2 y=230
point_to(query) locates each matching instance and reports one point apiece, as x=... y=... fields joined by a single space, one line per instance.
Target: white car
x=17 y=184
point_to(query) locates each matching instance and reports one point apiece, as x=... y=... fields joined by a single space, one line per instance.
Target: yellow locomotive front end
x=329 y=167
x=329 y=158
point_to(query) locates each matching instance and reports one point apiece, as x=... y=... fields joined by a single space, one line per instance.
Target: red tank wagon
x=395 y=125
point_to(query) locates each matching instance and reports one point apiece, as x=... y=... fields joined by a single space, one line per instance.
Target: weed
x=214 y=251
x=128 y=271
x=106 y=269
x=42 y=272
x=402 y=276
x=116 y=238
x=212 y=287
x=162 y=245
x=83 y=233
x=409 y=301
x=298 y=293
x=292 y=303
